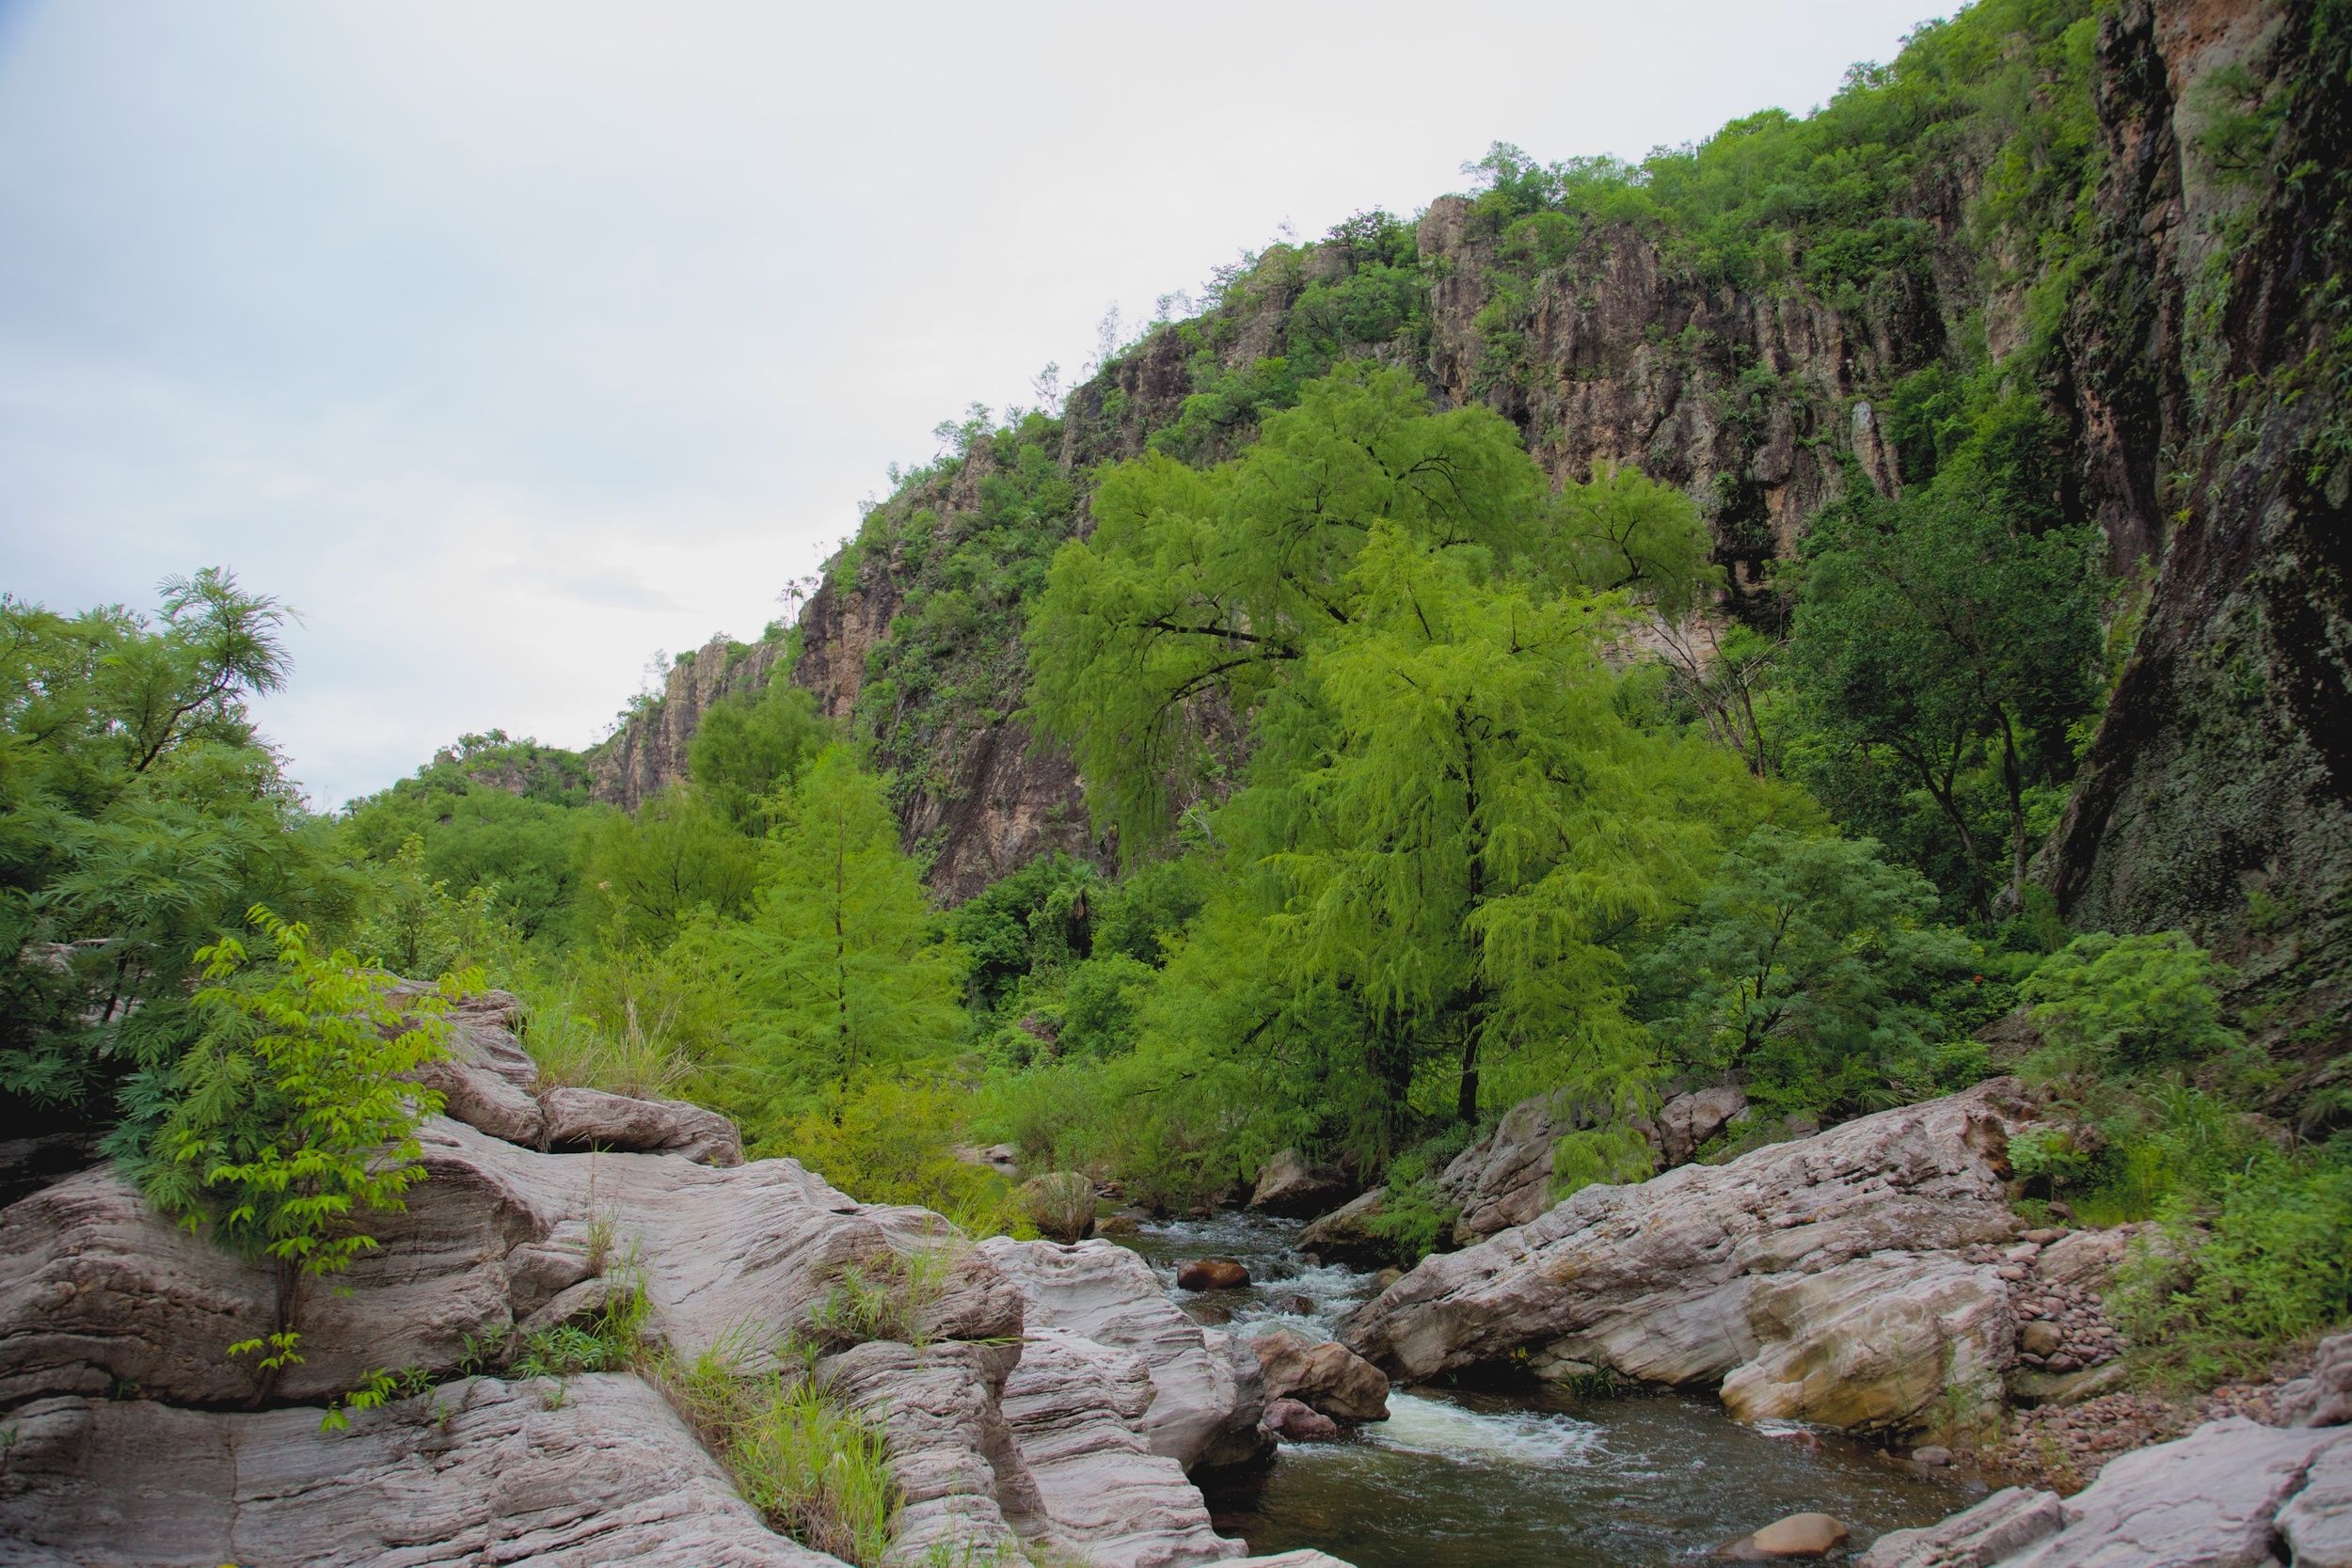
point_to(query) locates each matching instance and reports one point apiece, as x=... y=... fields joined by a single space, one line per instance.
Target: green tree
x=1200 y=587
x=1949 y=636
x=2110 y=1005
x=643 y=875
x=843 y=972
x=1813 y=969
x=747 y=748
x=139 y=815
x=297 y=1111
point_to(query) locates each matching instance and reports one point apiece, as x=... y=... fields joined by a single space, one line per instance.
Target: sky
x=513 y=343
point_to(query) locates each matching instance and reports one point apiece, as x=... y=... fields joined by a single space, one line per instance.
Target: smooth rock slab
x=578 y=1120
x=2003 y=1525
x=2318 y=1523
x=609 y=1476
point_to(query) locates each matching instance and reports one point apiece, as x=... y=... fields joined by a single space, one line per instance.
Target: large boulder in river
x=1345 y=1235
x=1324 y=1375
x=1293 y=1187
x=1743 y=1274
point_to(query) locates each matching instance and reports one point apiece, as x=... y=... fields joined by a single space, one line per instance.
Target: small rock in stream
x=1294 y=1422
x=1800 y=1535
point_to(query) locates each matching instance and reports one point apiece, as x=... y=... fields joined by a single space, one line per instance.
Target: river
x=1463 y=1478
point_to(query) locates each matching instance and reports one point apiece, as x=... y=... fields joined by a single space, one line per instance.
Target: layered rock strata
x=1824 y=1279
x=1035 y=1396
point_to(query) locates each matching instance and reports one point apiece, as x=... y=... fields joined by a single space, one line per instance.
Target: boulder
x=1345 y=1235
x=480 y=1471
x=1292 y=1188
x=1294 y=1422
x=1504 y=1178
x=2317 y=1525
x=1893 y=1341
x=2007 y=1522
x=1691 y=1276
x=488 y=1077
x=1208 y=1392
x=1800 y=1535
x=2323 y=1397
x=1211 y=1273
x=1688 y=1120
x=1324 y=1375
x=580 y=1120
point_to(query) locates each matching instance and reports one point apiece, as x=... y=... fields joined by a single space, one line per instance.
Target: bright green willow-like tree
x=1447 y=822
x=842 y=969
x=1205 y=584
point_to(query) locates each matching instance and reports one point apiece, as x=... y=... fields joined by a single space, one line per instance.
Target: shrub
x=1061 y=1204
x=2109 y=1005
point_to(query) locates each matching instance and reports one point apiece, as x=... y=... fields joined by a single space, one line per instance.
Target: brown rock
x=1325 y=1375
x=1294 y=1422
x=1800 y=1535
x=1345 y=1234
x=2039 y=1339
x=1933 y=1455
x=1293 y=1188
x=1211 y=1273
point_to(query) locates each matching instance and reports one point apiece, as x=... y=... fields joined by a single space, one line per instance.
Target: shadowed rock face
x=1819 y=1279
x=1075 y=1439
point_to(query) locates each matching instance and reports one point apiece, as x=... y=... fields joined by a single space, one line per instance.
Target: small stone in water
x=1211 y=1273
x=1935 y=1453
x=1798 y=1535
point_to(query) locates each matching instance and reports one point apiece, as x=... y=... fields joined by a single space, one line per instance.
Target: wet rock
x=580 y=1120
x=1325 y=1375
x=1387 y=1277
x=1756 y=1264
x=1800 y=1535
x=1345 y=1234
x=1935 y=1455
x=1293 y=1188
x=1294 y=1422
x=1118 y=1225
x=1297 y=1305
x=1211 y=1273
x=1215 y=1314
x=1993 y=1531
x=487 y=1470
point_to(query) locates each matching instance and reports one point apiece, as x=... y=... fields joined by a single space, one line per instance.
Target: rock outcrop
x=646 y=754
x=1324 y=1375
x=1820 y=1279
x=2227 y=1496
x=1033 y=1395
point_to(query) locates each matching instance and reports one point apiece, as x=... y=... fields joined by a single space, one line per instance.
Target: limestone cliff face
x=648 y=750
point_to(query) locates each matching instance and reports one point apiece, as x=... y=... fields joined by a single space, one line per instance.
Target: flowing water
x=1457 y=1479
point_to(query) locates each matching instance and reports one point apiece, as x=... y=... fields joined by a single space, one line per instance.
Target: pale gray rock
x=486 y=1079
x=2318 y=1523
x=949 y=1440
x=1504 y=1178
x=578 y=1120
x=2325 y=1398
x=2213 y=1499
x=1207 y=1398
x=479 y=1472
x=1307 y=1559
x=1325 y=1376
x=1295 y=1188
x=1661 y=1281
x=2003 y=1525
x=1077 y=1411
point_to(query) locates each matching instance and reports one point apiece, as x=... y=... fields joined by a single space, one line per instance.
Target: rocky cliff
x=2169 y=294
x=646 y=752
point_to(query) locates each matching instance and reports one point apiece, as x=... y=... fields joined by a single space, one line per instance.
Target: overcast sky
x=513 y=342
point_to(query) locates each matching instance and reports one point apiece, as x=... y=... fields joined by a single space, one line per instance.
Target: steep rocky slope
x=2177 y=312
x=1035 y=1394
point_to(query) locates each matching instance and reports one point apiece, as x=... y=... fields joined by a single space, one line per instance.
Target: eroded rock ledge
x=1051 y=1396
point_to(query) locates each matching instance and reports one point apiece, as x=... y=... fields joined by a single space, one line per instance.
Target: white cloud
x=514 y=341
